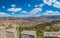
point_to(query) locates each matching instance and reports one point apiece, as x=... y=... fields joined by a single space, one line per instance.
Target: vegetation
x=9 y=26
x=41 y=28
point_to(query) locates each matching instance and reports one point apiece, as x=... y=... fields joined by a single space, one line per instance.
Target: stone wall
x=2 y=32
x=8 y=33
x=28 y=34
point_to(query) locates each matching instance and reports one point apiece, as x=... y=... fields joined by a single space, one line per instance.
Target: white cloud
x=54 y=3
x=51 y=13
x=29 y=5
x=2 y=14
x=35 y=10
x=49 y=2
x=24 y=12
x=19 y=15
x=36 y=5
x=27 y=15
x=13 y=5
x=14 y=9
x=40 y=5
x=3 y=6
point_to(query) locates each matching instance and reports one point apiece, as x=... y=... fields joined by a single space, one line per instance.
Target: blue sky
x=29 y=8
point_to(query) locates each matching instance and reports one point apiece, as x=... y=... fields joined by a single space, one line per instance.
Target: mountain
x=40 y=17
x=23 y=21
x=51 y=16
x=28 y=21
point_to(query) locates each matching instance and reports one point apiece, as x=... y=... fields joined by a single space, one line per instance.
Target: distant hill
x=51 y=16
x=24 y=21
x=40 y=17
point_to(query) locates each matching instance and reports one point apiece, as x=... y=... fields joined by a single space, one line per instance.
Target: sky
x=29 y=8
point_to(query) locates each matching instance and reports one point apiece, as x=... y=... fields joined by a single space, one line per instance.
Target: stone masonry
x=8 y=32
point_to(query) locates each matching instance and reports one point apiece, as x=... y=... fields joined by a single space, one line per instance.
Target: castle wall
x=8 y=33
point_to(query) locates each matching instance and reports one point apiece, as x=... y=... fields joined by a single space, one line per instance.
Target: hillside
x=52 y=26
x=23 y=22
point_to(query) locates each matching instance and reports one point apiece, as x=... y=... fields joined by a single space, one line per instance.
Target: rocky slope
x=26 y=22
